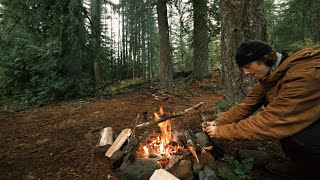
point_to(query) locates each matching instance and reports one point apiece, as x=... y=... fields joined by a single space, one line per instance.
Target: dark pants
x=304 y=149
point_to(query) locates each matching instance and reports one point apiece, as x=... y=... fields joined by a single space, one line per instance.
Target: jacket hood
x=303 y=59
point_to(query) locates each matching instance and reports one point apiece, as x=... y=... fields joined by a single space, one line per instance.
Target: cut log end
x=106 y=136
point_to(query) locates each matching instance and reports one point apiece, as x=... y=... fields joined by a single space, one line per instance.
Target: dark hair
x=269 y=59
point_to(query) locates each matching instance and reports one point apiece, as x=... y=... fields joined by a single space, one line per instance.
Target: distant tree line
x=55 y=50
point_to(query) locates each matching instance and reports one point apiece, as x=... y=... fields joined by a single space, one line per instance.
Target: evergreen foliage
x=42 y=47
x=49 y=49
x=289 y=22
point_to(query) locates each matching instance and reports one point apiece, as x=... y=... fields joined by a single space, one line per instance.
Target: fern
x=240 y=170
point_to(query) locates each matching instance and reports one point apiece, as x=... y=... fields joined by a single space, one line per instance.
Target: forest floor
x=60 y=141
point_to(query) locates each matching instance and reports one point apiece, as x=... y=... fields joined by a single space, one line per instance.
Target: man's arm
x=296 y=107
x=245 y=108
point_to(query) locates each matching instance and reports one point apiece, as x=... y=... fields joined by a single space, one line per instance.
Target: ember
x=160 y=146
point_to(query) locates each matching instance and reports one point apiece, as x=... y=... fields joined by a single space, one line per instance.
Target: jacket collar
x=301 y=56
x=277 y=63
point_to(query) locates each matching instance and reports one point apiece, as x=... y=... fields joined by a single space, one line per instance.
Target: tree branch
x=169 y=117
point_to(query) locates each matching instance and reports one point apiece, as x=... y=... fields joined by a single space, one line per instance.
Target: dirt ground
x=60 y=141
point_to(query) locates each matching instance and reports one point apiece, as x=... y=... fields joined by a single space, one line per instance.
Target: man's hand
x=207 y=124
x=211 y=130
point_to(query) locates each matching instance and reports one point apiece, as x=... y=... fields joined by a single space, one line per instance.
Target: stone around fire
x=141 y=169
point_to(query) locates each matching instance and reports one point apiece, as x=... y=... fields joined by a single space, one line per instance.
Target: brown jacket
x=293 y=94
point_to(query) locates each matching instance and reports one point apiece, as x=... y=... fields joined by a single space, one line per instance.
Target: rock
x=204 y=160
x=261 y=158
x=197 y=167
x=202 y=175
x=183 y=170
x=218 y=149
x=140 y=169
x=117 y=159
x=208 y=174
x=203 y=139
x=161 y=174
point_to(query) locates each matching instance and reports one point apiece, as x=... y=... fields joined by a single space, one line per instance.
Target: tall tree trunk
x=143 y=40
x=149 y=43
x=181 y=35
x=200 y=39
x=96 y=33
x=240 y=21
x=138 y=44
x=165 y=52
x=66 y=48
x=130 y=44
x=124 y=43
x=315 y=9
x=72 y=41
x=119 y=56
x=139 y=67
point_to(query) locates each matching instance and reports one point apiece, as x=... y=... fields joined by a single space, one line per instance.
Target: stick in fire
x=169 y=117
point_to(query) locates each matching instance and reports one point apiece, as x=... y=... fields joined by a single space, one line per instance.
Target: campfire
x=160 y=146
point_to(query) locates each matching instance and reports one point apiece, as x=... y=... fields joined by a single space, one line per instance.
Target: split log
x=121 y=139
x=169 y=117
x=134 y=127
x=193 y=147
x=106 y=136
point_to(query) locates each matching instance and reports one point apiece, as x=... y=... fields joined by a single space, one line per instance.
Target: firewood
x=169 y=117
x=106 y=136
x=173 y=161
x=121 y=139
x=134 y=127
x=133 y=145
x=194 y=153
x=192 y=146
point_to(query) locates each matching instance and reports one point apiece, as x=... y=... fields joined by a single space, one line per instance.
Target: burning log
x=175 y=160
x=133 y=145
x=169 y=117
x=121 y=139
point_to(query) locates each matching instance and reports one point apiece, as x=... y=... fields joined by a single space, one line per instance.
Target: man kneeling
x=289 y=88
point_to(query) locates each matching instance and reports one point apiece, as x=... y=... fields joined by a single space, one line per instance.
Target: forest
x=61 y=50
x=69 y=68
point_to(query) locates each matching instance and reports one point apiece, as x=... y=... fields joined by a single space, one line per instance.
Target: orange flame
x=166 y=134
x=160 y=111
x=146 y=150
x=160 y=145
